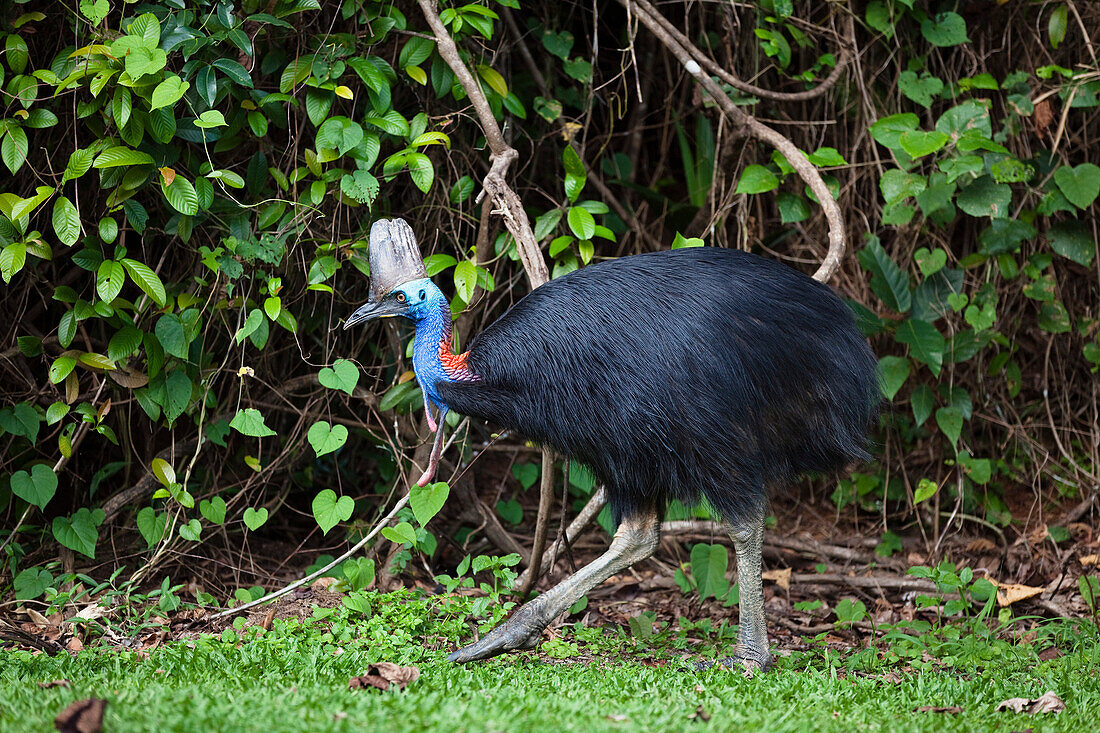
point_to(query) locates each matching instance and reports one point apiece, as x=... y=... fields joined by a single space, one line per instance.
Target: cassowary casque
x=700 y=374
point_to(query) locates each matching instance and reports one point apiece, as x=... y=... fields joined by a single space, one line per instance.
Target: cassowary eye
x=400 y=297
x=422 y=295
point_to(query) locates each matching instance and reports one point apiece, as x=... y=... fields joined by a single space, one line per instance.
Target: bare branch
x=686 y=53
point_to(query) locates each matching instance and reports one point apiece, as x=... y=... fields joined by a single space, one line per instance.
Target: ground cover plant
x=183 y=225
x=295 y=675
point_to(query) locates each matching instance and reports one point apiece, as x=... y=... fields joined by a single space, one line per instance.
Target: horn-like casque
x=394 y=257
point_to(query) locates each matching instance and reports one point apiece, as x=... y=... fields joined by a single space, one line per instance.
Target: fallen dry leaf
x=74 y=645
x=781 y=577
x=1048 y=702
x=1090 y=560
x=953 y=710
x=38 y=619
x=981 y=545
x=384 y=674
x=54 y=683
x=1009 y=593
x=1051 y=652
x=82 y=716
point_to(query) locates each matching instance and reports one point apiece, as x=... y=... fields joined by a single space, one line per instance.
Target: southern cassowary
x=702 y=374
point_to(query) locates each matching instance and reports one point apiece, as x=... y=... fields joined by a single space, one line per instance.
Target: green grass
x=295 y=676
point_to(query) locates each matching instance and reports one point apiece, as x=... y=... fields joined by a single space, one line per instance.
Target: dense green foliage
x=191 y=183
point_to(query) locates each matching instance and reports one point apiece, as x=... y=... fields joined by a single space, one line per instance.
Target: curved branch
x=502 y=154
x=710 y=65
x=686 y=53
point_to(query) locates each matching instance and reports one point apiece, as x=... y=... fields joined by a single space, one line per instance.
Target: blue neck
x=433 y=326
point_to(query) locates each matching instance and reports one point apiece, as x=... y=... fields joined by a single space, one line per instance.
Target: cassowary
x=701 y=374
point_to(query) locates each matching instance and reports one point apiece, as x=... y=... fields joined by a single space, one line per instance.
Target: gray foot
x=749 y=661
x=520 y=632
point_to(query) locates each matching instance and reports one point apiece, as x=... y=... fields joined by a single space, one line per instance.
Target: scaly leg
x=636 y=539
x=752 y=638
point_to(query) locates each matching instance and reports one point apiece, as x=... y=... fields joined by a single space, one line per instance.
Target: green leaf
x=893 y=371
x=213 y=509
x=80 y=532
x=36 y=487
x=340 y=134
x=421 y=170
x=945 y=29
x=426 y=501
x=897 y=185
x=888 y=130
x=144 y=277
x=109 y=279
x=985 y=197
x=255 y=320
x=708 y=570
x=950 y=420
x=209 y=119
x=360 y=185
x=329 y=510
x=465 y=277
x=757 y=179
x=250 y=422
x=181 y=194
x=31 y=583
x=168 y=92
x=1058 y=24
x=191 y=531
x=61 y=368
x=13 y=150
x=326 y=438
x=342 y=375
x=926 y=344
x=121 y=155
x=889 y=282
x=575 y=173
x=178 y=389
x=930 y=262
x=581 y=222
x=926 y=489
x=919 y=143
x=1072 y=240
x=255 y=518
x=172 y=335
x=921 y=401
x=402 y=533
x=1080 y=185
x=66 y=221
x=922 y=89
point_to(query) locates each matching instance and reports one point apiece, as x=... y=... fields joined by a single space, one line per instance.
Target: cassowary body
x=698 y=374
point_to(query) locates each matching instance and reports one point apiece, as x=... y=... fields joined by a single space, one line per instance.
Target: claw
x=517 y=633
x=749 y=661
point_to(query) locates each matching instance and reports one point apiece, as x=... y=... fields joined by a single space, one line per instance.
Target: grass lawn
x=294 y=677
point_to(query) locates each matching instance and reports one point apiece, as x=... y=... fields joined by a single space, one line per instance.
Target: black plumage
x=699 y=373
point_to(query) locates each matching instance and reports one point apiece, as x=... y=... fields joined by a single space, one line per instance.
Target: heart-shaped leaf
x=255 y=518
x=343 y=375
x=191 y=531
x=893 y=371
x=326 y=438
x=329 y=510
x=1080 y=185
x=213 y=510
x=80 y=531
x=151 y=525
x=250 y=422
x=526 y=473
x=426 y=501
x=930 y=262
x=36 y=487
x=402 y=533
x=950 y=420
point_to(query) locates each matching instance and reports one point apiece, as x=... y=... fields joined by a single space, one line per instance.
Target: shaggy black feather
x=694 y=374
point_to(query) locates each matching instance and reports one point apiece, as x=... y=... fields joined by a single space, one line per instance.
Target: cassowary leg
x=752 y=638
x=636 y=539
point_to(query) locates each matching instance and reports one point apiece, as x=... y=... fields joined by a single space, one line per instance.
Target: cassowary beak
x=387 y=308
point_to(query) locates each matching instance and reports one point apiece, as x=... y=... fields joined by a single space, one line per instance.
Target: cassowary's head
x=399 y=282
x=415 y=300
